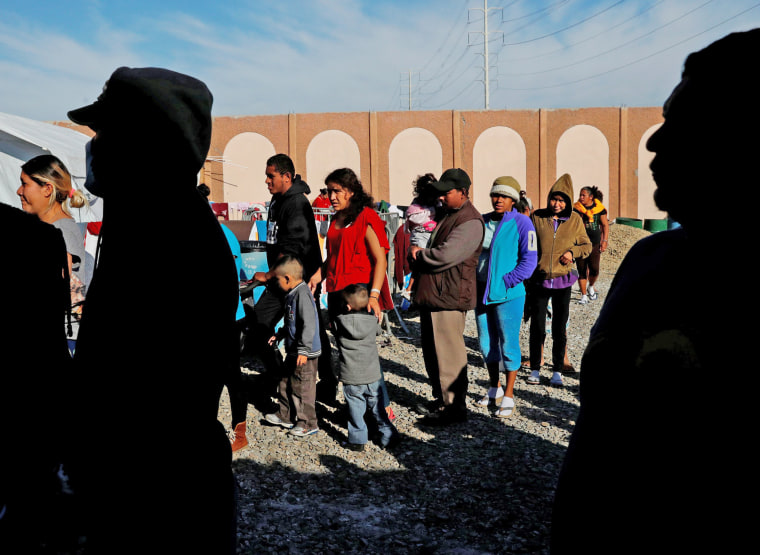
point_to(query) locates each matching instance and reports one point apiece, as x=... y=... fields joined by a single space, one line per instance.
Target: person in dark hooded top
x=561 y=239
x=158 y=339
x=291 y=230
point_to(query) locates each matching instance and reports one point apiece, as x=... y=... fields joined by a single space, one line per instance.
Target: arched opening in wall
x=646 y=185
x=584 y=153
x=413 y=152
x=245 y=159
x=498 y=151
x=328 y=151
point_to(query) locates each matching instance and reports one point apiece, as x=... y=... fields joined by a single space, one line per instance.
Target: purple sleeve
x=527 y=252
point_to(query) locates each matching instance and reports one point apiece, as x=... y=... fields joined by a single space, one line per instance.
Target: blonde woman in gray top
x=46 y=191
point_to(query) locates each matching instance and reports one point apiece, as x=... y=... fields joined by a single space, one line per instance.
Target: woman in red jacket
x=356 y=242
x=357 y=248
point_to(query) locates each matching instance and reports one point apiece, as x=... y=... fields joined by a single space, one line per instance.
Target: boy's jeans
x=367 y=398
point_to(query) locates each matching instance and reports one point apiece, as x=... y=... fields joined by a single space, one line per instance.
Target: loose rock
x=484 y=486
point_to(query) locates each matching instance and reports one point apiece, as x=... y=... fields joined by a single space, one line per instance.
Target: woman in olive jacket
x=561 y=239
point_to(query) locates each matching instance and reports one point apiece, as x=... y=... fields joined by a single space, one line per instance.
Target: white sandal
x=494 y=396
x=507 y=408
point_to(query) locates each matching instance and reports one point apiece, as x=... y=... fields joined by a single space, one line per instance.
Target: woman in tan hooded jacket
x=561 y=239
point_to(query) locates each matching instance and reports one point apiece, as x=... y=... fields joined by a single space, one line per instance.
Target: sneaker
x=358 y=447
x=534 y=378
x=507 y=408
x=445 y=417
x=583 y=300
x=494 y=396
x=428 y=407
x=277 y=421
x=557 y=380
x=592 y=294
x=300 y=431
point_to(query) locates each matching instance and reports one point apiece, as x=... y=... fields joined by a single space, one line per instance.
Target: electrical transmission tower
x=409 y=87
x=486 y=67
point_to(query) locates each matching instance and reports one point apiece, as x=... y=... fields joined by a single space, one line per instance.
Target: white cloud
x=341 y=55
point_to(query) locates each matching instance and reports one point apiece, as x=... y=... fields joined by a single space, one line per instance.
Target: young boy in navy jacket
x=297 y=390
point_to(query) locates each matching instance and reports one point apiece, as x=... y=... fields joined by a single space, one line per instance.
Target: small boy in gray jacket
x=360 y=370
x=297 y=391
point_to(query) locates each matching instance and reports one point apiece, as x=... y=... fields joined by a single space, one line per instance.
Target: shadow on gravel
x=538 y=405
x=483 y=486
x=451 y=493
x=390 y=366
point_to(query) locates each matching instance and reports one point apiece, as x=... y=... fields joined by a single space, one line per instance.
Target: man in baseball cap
x=445 y=291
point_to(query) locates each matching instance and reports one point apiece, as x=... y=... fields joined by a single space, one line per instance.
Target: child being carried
x=420 y=217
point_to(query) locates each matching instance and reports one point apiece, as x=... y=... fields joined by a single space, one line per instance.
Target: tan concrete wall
x=636 y=179
x=490 y=148
x=597 y=146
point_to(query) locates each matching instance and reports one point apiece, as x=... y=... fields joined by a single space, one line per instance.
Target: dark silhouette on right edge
x=657 y=461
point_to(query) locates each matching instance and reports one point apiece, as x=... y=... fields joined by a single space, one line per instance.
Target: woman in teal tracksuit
x=508 y=257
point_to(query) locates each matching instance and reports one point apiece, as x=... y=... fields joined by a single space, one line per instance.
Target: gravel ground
x=484 y=486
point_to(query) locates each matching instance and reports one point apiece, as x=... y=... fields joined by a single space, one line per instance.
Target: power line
x=616 y=47
x=456 y=22
x=393 y=98
x=537 y=16
x=568 y=27
x=547 y=8
x=591 y=37
x=634 y=61
x=450 y=70
x=448 y=102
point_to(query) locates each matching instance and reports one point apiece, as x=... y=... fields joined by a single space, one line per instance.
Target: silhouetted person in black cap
x=159 y=334
x=659 y=460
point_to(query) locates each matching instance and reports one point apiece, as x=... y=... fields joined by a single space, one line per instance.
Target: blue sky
x=340 y=55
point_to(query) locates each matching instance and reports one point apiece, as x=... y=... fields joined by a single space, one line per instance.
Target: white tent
x=22 y=139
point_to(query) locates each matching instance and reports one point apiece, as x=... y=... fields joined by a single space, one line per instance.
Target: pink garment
x=420 y=216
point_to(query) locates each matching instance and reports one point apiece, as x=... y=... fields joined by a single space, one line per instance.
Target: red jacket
x=348 y=261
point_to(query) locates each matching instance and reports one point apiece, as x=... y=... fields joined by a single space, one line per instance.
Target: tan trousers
x=445 y=355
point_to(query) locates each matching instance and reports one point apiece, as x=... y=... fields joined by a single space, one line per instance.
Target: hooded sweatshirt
x=556 y=237
x=355 y=335
x=158 y=330
x=291 y=228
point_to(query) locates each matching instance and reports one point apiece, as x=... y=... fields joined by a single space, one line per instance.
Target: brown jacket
x=447 y=268
x=570 y=236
